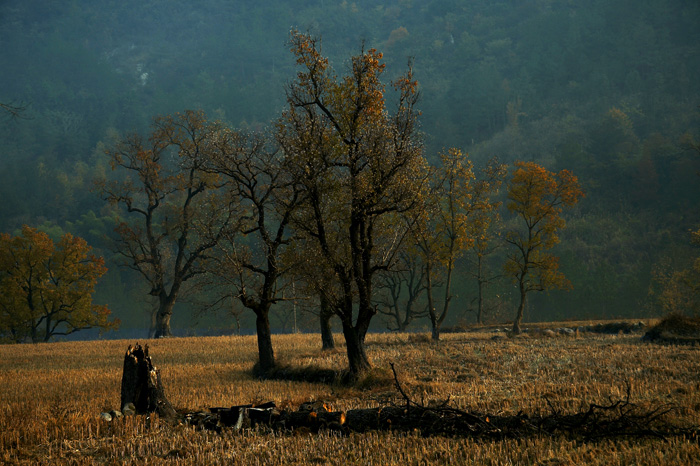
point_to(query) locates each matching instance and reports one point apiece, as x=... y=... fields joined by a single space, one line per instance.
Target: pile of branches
x=618 y=418
x=142 y=391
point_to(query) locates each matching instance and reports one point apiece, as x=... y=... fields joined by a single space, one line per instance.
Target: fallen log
x=142 y=392
x=363 y=420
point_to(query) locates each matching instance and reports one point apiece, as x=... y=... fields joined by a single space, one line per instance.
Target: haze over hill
x=607 y=89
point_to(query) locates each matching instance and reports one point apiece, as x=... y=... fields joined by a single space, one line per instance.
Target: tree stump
x=142 y=385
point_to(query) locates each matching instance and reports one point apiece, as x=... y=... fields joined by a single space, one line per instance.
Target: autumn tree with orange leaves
x=358 y=166
x=537 y=197
x=46 y=288
x=450 y=223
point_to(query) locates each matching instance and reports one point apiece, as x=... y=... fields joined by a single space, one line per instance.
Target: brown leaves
x=538 y=196
x=46 y=289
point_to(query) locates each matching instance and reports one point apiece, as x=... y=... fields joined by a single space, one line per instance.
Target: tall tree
x=250 y=258
x=176 y=210
x=485 y=229
x=537 y=197
x=358 y=167
x=46 y=289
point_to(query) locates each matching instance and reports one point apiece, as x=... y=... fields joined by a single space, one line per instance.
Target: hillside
x=607 y=89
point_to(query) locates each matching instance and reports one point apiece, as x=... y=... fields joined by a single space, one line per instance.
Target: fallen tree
x=143 y=388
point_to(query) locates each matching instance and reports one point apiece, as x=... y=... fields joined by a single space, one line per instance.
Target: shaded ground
x=675 y=329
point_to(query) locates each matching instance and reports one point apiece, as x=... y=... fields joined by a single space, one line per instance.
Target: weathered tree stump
x=142 y=385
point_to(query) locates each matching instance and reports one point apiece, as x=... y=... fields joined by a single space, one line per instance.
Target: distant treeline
x=607 y=89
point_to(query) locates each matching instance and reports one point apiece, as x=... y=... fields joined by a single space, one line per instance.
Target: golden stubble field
x=51 y=396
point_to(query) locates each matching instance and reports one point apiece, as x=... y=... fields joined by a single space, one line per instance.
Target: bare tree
x=176 y=212
x=402 y=289
x=249 y=259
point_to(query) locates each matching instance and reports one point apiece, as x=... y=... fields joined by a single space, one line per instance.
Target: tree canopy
x=46 y=288
x=537 y=197
x=357 y=166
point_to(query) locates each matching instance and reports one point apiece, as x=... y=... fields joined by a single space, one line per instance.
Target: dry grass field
x=51 y=396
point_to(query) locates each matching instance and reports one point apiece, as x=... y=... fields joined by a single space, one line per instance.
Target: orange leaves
x=457 y=211
x=45 y=288
x=352 y=104
x=538 y=196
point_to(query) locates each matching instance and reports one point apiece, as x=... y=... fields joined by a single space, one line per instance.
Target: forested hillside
x=607 y=89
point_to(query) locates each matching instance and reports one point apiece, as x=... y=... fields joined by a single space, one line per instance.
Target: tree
x=177 y=211
x=358 y=168
x=485 y=229
x=249 y=259
x=46 y=289
x=406 y=279
x=446 y=228
x=484 y=246
x=537 y=197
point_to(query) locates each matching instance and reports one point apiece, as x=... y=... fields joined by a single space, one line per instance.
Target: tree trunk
x=435 y=324
x=326 y=331
x=480 y=305
x=142 y=386
x=165 y=312
x=266 y=354
x=480 y=282
x=435 y=333
x=357 y=357
x=154 y=322
x=438 y=320
x=521 y=308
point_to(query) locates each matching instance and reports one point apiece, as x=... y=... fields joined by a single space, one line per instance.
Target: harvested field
x=52 y=396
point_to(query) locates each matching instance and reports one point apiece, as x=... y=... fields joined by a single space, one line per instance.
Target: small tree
x=446 y=229
x=537 y=197
x=46 y=289
x=485 y=228
x=402 y=289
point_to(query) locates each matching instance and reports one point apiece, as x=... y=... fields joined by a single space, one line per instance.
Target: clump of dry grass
x=675 y=328
x=51 y=396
